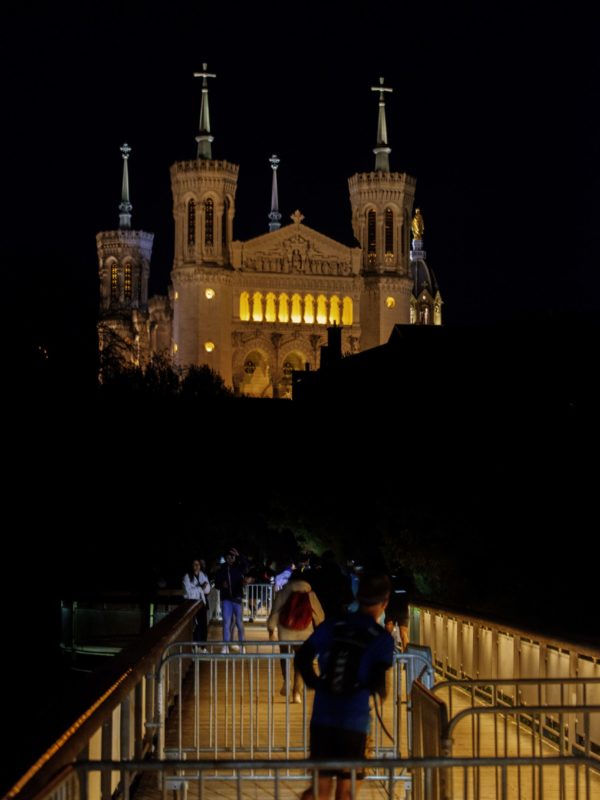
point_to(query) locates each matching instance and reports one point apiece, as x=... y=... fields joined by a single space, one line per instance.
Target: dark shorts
x=329 y=743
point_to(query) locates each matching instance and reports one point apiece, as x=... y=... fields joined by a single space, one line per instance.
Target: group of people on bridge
x=351 y=622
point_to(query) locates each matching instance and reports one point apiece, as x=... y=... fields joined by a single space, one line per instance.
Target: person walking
x=230 y=580
x=196 y=586
x=354 y=653
x=296 y=613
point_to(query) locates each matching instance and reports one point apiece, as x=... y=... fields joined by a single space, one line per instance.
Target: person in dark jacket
x=354 y=653
x=230 y=580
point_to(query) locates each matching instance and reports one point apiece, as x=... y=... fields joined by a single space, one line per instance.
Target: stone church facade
x=255 y=311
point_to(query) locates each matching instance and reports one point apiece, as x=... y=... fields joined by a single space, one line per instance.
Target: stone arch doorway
x=256 y=375
x=294 y=360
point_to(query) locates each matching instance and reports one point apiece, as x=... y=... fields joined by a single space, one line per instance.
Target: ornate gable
x=296 y=249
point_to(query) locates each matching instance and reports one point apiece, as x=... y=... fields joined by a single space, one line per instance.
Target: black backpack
x=348 y=646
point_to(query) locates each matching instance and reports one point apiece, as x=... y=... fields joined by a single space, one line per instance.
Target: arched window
x=127 y=283
x=347 y=311
x=225 y=223
x=371 y=237
x=191 y=223
x=257 y=307
x=245 y=307
x=322 y=309
x=296 y=308
x=389 y=232
x=334 y=310
x=209 y=222
x=309 y=309
x=284 y=308
x=270 y=315
x=114 y=282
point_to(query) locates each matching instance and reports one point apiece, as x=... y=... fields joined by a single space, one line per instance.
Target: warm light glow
x=322 y=310
x=127 y=282
x=210 y=293
x=209 y=222
x=176 y=295
x=309 y=309
x=284 y=308
x=245 y=307
x=209 y=346
x=296 y=308
x=371 y=240
x=257 y=308
x=347 y=311
x=191 y=237
x=114 y=283
x=270 y=315
x=334 y=310
x=175 y=347
x=390 y=302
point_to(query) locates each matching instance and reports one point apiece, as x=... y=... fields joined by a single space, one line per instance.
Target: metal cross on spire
x=382 y=151
x=204 y=138
x=125 y=206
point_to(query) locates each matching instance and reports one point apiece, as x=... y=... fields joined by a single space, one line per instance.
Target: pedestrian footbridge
x=475 y=710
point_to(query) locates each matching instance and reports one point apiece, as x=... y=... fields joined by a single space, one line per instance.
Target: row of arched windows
x=209 y=222
x=283 y=308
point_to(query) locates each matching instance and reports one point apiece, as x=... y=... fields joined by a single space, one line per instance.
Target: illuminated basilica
x=255 y=311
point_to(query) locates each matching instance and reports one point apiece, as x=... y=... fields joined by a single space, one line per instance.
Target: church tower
x=382 y=203
x=124 y=267
x=426 y=301
x=203 y=209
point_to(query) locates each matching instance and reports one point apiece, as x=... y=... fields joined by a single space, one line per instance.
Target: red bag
x=296 y=613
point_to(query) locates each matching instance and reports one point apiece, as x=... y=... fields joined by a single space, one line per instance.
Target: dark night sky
x=494 y=111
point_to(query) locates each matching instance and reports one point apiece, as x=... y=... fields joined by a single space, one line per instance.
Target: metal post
x=106 y=752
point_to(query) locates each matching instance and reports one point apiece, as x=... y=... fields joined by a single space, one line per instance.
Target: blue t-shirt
x=349 y=712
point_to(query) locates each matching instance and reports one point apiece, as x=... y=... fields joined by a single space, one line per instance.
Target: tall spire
x=204 y=138
x=125 y=206
x=274 y=215
x=382 y=151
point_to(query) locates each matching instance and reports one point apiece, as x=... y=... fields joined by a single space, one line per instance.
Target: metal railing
x=469 y=647
x=564 y=729
x=256 y=603
x=101 y=625
x=115 y=715
x=496 y=779
x=236 y=708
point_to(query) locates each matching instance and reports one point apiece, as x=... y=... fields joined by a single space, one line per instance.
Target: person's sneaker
x=297 y=698
x=283 y=690
x=203 y=649
x=235 y=648
x=225 y=649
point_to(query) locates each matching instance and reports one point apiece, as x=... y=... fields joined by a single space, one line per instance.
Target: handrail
x=466 y=682
x=100 y=697
x=555 y=709
x=582 y=647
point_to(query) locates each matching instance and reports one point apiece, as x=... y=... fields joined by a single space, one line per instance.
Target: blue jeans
x=232 y=610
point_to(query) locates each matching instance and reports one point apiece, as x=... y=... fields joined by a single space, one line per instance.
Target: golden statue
x=418 y=225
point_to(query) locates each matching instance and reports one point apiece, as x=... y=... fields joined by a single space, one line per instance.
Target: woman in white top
x=196 y=586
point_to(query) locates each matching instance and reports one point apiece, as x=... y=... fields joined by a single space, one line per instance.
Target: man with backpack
x=296 y=613
x=354 y=653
